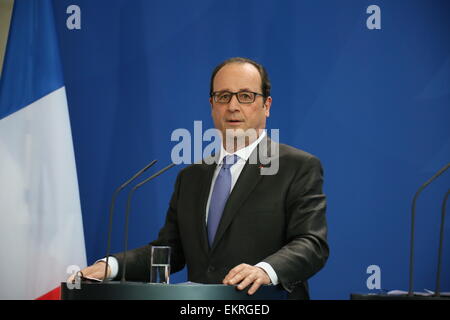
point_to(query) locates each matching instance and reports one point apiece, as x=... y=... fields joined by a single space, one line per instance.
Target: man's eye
x=245 y=96
x=225 y=96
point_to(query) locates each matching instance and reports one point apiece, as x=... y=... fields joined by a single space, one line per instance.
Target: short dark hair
x=265 y=82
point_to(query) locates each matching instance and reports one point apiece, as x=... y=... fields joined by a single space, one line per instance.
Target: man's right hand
x=97 y=271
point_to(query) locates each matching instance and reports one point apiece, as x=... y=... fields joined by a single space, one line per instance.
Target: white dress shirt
x=235 y=171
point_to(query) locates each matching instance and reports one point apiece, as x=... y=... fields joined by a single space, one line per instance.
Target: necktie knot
x=229 y=161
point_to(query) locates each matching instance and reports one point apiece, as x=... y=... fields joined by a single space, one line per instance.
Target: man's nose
x=234 y=104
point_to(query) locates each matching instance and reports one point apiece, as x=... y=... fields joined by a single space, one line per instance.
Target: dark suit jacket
x=278 y=219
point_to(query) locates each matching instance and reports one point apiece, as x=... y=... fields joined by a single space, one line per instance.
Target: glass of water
x=160 y=264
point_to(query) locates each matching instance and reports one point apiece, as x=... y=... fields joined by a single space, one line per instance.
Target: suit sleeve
x=306 y=250
x=138 y=260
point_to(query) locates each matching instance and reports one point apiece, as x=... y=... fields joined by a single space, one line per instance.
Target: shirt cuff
x=270 y=272
x=113 y=265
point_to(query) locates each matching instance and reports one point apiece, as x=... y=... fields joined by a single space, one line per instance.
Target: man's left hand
x=245 y=275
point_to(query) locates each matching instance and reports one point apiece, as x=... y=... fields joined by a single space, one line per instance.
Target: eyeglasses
x=244 y=97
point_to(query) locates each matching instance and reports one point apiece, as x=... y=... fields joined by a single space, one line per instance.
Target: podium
x=115 y=290
x=356 y=296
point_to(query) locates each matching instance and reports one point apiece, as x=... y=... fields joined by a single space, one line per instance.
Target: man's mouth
x=234 y=121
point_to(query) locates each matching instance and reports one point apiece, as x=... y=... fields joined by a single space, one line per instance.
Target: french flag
x=41 y=229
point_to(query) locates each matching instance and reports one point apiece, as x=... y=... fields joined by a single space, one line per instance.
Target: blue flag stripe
x=32 y=67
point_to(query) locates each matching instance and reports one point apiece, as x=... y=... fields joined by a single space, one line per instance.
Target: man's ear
x=267 y=105
x=211 y=102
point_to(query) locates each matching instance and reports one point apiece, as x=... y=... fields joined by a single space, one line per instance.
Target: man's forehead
x=237 y=76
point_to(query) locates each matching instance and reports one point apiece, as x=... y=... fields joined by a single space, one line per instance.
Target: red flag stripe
x=54 y=294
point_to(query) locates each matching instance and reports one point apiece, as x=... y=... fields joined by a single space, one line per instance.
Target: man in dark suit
x=228 y=221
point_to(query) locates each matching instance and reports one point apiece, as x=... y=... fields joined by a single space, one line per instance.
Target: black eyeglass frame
x=215 y=94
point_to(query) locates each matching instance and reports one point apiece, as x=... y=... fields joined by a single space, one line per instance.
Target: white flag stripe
x=41 y=224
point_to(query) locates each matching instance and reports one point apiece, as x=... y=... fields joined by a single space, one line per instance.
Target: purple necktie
x=219 y=196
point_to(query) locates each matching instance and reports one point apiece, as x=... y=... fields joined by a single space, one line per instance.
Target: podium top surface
x=358 y=296
x=115 y=290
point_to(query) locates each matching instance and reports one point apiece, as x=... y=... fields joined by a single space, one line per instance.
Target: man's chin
x=240 y=137
x=235 y=132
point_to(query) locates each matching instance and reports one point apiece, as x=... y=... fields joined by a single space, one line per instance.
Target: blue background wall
x=373 y=105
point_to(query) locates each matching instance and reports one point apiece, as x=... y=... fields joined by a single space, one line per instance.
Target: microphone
x=127 y=215
x=111 y=210
x=441 y=240
x=413 y=216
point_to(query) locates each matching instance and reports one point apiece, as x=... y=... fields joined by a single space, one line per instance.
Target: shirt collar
x=243 y=153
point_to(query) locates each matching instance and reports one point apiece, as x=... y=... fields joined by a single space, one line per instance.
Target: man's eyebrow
x=240 y=90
